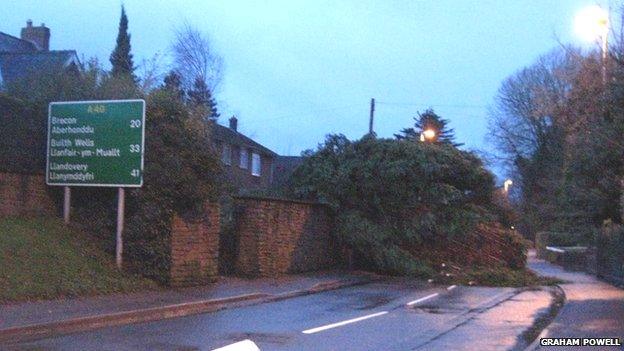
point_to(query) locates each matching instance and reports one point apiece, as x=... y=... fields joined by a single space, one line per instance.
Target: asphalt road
x=393 y=315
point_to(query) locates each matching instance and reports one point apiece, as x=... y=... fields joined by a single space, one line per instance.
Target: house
x=31 y=54
x=284 y=168
x=248 y=165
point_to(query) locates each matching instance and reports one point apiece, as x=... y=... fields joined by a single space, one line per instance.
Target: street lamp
x=427 y=135
x=592 y=24
x=507 y=184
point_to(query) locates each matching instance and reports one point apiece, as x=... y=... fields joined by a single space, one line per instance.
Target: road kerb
x=320 y=287
x=37 y=331
x=547 y=318
x=44 y=330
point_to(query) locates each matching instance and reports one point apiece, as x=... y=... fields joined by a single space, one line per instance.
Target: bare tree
x=151 y=73
x=533 y=101
x=529 y=123
x=194 y=58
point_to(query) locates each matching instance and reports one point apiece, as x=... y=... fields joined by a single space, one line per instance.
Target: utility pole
x=372 y=116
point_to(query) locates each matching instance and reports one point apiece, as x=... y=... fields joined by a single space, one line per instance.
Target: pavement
x=593 y=308
x=388 y=314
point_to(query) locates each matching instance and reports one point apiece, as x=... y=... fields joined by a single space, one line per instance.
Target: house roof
x=18 y=65
x=232 y=137
x=9 y=43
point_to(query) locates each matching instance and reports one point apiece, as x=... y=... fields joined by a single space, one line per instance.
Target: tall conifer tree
x=121 y=58
x=429 y=120
x=200 y=95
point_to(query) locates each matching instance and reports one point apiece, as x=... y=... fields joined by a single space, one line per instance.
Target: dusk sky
x=298 y=70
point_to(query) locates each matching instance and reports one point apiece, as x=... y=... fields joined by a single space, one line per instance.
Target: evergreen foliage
x=173 y=84
x=121 y=57
x=392 y=196
x=200 y=97
x=429 y=120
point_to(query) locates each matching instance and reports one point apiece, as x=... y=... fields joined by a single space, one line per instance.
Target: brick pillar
x=195 y=248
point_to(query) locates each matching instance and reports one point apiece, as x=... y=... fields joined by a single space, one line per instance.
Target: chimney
x=40 y=36
x=233 y=123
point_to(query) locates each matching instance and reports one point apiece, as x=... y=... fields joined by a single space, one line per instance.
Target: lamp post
x=506 y=185
x=592 y=24
x=427 y=135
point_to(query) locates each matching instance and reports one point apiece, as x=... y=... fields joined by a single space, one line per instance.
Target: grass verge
x=44 y=259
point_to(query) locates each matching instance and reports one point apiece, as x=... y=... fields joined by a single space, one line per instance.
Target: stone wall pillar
x=195 y=248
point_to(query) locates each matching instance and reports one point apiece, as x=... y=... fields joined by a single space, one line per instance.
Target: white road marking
x=451 y=287
x=422 y=299
x=339 y=324
x=245 y=345
x=555 y=249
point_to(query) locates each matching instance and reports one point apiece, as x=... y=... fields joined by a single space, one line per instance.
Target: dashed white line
x=422 y=299
x=334 y=325
x=245 y=345
x=354 y=320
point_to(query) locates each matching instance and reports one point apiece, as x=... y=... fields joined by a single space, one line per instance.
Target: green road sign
x=96 y=143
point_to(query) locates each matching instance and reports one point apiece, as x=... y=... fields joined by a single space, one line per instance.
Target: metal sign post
x=66 y=204
x=121 y=199
x=96 y=143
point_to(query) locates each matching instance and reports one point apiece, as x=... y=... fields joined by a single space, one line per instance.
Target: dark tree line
x=559 y=127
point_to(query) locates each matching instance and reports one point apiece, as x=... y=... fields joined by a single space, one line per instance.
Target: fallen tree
x=406 y=207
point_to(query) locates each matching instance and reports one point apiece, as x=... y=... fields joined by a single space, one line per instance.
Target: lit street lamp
x=592 y=24
x=506 y=185
x=427 y=135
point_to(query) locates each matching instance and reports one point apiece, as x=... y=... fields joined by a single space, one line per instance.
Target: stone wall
x=25 y=195
x=277 y=236
x=195 y=248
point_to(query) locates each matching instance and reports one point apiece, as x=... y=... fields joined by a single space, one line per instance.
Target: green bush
x=181 y=175
x=610 y=252
x=22 y=137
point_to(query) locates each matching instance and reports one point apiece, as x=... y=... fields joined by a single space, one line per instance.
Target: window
x=226 y=154
x=244 y=158
x=256 y=165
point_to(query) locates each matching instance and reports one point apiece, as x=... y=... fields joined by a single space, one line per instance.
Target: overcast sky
x=298 y=70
